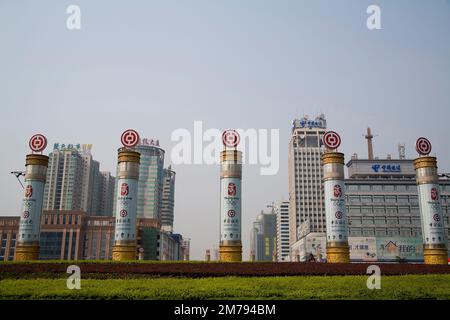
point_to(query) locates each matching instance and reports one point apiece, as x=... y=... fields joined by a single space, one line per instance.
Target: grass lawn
x=298 y=287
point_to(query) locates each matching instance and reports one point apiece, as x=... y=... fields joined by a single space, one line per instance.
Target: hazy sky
x=159 y=65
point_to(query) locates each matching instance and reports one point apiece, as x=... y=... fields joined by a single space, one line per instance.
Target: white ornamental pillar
x=335 y=209
x=431 y=215
x=30 y=220
x=125 y=247
x=230 y=247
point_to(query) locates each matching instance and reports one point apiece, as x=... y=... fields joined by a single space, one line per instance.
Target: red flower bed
x=221 y=269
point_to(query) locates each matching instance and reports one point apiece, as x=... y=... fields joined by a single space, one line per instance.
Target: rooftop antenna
x=17 y=174
x=369 y=136
x=401 y=152
x=272 y=206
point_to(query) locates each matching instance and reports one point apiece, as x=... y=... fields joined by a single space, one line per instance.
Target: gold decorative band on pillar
x=230 y=253
x=27 y=252
x=36 y=159
x=338 y=253
x=231 y=155
x=425 y=162
x=435 y=254
x=124 y=252
x=426 y=170
x=36 y=167
x=333 y=157
x=127 y=155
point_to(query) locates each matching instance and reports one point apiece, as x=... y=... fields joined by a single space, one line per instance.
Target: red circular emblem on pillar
x=230 y=138
x=231 y=213
x=130 y=138
x=37 y=143
x=331 y=140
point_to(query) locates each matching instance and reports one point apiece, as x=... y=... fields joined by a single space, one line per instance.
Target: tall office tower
x=63 y=189
x=306 y=197
x=151 y=176
x=91 y=184
x=106 y=194
x=73 y=180
x=264 y=237
x=168 y=200
x=282 y=212
x=255 y=239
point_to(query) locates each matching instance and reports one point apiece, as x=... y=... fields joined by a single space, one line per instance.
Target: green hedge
x=336 y=287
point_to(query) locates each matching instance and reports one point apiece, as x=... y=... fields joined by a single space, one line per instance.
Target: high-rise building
x=90 y=182
x=155 y=200
x=263 y=241
x=106 y=194
x=306 y=197
x=282 y=212
x=168 y=200
x=73 y=180
x=255 y=239
x=151 y=175
x=382 y=199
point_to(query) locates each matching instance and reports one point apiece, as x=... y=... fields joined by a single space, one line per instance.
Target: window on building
x=366 y=210
x=377 y=187
x=391 y=210
x=403 y=209
x=403 y=199
x=354 y=209
x=378 y=199
x=380 y=210
x=391 y=199
x=364 y=187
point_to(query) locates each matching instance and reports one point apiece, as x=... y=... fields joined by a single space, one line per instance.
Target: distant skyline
x=157 y=66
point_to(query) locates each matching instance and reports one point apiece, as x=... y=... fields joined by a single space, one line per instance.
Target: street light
x=17 y=174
